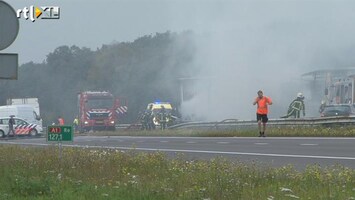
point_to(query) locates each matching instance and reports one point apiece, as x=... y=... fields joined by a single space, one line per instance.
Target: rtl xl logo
x=42 y=12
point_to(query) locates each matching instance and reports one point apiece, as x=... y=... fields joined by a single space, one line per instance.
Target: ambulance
x=156 y=108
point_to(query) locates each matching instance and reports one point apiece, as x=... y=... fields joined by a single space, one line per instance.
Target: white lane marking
x=208 y=138
x=164 y=141
x=190 y=142
x=191 y=151
x=222 y=142
x=261 y=143
x=140 y=141
x=309 y=144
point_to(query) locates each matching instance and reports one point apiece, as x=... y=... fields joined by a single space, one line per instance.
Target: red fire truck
x=99 y=110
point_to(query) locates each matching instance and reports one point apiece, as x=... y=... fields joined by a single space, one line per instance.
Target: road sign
x=9 y=25
x=60 y=134
x=8 y=66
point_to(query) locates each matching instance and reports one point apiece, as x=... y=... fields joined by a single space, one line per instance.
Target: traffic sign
x=9 y=25
x=8 y=66
x=60 y=134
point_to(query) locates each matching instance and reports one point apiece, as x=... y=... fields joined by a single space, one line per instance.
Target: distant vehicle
x=157 y=106
x=99 y=110
x=21 y=127
x=31 y=101
x=344 y=110
x=26 y=112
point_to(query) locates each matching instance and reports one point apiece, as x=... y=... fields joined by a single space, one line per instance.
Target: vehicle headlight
x=86 y=122
x=112 y=122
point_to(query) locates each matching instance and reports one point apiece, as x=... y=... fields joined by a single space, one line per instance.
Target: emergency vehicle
x=156 y=108
x=333 y=86
x=21 y=127
x=99 y=110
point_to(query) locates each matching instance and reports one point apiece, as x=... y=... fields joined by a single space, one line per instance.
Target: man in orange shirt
x=262 y=110
x=60 y=120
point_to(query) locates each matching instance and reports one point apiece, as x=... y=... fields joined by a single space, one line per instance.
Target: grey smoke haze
x=244 y=45
x=267 y=45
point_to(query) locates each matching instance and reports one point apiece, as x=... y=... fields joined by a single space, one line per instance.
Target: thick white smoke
x=268 y=45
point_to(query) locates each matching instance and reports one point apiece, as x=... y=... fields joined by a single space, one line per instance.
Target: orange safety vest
x=263 y=105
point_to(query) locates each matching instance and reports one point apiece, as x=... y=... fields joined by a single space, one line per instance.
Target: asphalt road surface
x=269 y=151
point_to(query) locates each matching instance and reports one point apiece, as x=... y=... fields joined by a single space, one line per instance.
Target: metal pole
x=60 y=152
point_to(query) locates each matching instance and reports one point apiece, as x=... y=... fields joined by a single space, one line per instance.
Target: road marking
x=309 y=144
x=190 y=151
x=222 y=142
x=190 y=142
x=261 y=143
x=164 y=141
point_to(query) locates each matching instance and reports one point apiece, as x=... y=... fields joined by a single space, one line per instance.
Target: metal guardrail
x=233 y=124
x=244 y=124
x=122 y=126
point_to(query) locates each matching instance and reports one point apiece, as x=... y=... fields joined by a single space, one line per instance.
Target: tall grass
x=272 y=131
x=38 y=173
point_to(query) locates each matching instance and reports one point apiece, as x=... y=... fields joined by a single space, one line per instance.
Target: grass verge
x=319 y=131
x=37 y=173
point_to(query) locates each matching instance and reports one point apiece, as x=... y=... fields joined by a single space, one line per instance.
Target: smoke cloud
x=245 y=46
x=241 y=46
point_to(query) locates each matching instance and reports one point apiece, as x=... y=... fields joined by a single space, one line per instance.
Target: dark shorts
x=260 y=117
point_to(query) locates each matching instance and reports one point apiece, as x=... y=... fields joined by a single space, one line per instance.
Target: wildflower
x=291 y=195
x=59 y=177
x=105 y=195
x=132 y=182
x=285 y=189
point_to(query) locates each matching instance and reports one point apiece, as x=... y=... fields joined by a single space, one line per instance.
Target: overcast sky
x=253 y=45
x=92 y=23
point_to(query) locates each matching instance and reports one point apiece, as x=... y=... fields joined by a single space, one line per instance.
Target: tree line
x=140 y=72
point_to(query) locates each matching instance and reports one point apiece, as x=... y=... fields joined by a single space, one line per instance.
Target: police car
x=21 y=127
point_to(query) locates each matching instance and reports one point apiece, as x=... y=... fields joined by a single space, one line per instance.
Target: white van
x=26 y=112
x=22 y=101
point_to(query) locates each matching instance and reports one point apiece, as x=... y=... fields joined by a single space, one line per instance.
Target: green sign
x=60 y=134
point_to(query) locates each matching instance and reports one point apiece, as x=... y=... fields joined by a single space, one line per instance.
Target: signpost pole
x=60 y=152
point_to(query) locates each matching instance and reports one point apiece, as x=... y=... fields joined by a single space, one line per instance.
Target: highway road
x=269 y=151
